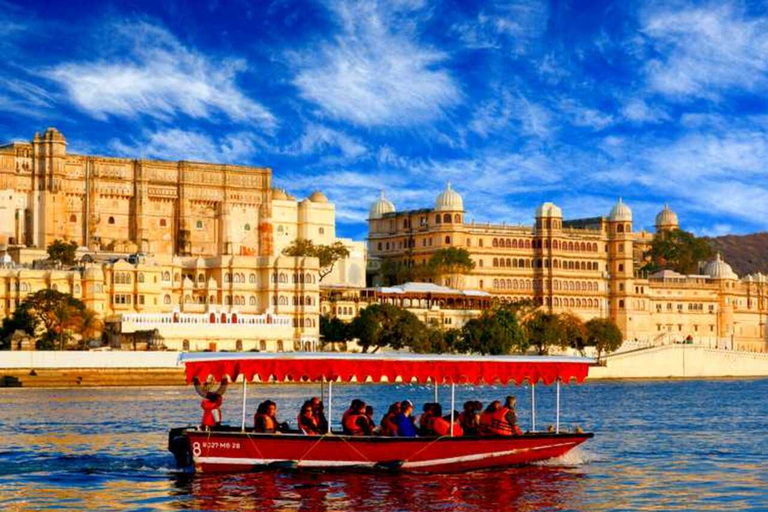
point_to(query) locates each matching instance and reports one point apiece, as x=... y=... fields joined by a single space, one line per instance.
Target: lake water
x=679 y=445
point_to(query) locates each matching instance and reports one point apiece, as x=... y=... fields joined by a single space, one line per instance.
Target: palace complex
x=189 y=252
x=590 y=267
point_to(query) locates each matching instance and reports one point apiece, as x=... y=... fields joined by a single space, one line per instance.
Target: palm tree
x=89 y=325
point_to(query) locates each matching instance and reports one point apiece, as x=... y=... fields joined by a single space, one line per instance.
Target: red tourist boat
x=234 y=449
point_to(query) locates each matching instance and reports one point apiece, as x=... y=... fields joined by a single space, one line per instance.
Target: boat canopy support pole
x=434 y=382
x=533 y=407
x=453 y=403
x=245 y=391
x=330 y=405
x=557 y=408
x=322 y=391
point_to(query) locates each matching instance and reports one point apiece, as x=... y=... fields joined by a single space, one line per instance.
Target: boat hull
x=210 y=452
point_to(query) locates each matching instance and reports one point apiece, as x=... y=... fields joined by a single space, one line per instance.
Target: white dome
x=620 y=212
x=449 y=200
x=666 y=218
x=549 y=210
x=718 y=269
x=381 y=207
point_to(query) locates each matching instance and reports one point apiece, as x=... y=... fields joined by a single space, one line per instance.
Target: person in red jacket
x=211 y=406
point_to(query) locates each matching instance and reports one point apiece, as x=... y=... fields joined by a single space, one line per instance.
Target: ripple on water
x=658 y=446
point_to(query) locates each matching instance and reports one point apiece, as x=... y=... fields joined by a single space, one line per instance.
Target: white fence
x=62 y=360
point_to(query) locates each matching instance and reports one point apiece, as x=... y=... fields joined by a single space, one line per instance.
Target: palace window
x=163 y=223
x=73 y=218
x=247 y=227
x=111 y=220
x=199 y=224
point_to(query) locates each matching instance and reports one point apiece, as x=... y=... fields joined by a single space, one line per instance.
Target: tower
x=549 y=223
x=620 y=265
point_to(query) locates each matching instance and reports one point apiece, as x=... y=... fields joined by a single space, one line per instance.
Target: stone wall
x=681 y=361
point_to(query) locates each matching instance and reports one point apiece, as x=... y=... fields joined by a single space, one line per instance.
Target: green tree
x=327 y=255
x=62 y=252
x=676 y=250
x=604 y=335
x=53 y=317
x=545 y=331
x=20 y=320
x=333 y=329
x=574 y=331
x=452 y=260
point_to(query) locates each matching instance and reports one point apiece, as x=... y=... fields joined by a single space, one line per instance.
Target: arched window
x=457 y=218
x=227 y=300
x=227 y=277
x=252 y=278
x=185 y=345
x=141 y=277
x=252 y=301
x=283 y=301
x=495 y=242
x=447 y=218
x=73 y=218
x=527 y=244
x=308 y=279
x=199 y=224
x=448 y=240
x=283 y=278
x=437 y=219
x=163 y=223
x=620 y=228
x=502 y=262
x=247 y=227
x=111 y=220
x=166 y=276
x=508 y=243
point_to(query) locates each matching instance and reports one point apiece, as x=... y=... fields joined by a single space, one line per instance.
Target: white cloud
x=153 y=74
x=515 y=24
x=176 y=144
x=705 y=50
x=318 y=138
x=638 y=111
x=510 y=112
x=376 y=73
x=579 y=115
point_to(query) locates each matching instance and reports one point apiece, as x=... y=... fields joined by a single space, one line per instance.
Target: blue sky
x=514 y=102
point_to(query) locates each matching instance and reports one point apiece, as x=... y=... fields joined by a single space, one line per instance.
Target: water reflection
x=529 y=488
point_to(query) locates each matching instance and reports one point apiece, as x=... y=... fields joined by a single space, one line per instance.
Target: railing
x=154 y=319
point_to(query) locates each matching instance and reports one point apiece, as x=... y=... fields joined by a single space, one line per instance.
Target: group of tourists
x=496 y=419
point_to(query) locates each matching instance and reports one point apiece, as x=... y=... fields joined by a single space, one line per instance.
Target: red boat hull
x=245 y=451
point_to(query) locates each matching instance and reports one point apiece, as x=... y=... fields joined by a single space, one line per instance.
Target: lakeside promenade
x=94 y=369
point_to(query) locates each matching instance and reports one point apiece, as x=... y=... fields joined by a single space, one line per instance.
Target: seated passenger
x=425 y=418
x=265 y=419
x=356 y=423
x=388 y=425
x=370 y=422
x=469 y=418
x=307 y=421
x=353 y=408
x=322 y=421
x=436 y=425
x=504 y=422
x=404 y=421
x=486 y=418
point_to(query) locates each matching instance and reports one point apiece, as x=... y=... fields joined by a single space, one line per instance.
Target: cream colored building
x=191 y=249
x=585 y=266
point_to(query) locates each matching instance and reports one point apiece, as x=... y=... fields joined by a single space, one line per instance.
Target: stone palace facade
x=192 y=250
x=589 y=267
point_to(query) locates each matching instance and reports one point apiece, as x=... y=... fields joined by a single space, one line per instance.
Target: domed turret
x=318 y=197
x=620 y=212
x=666 y=220
x=381 y=207
x=718 y=269
x=449 y=200
x=278 y=194
x=549 y=210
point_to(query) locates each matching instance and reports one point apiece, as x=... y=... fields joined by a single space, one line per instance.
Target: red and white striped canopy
x=313 y=366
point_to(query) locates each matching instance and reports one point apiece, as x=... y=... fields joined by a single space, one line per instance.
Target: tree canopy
x=604 y=335
x=327 y=255
x=53 y=318
x=677 y=250
x=62 y=252
x=451 y=260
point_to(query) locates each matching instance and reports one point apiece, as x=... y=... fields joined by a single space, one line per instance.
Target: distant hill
x=745 y=253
